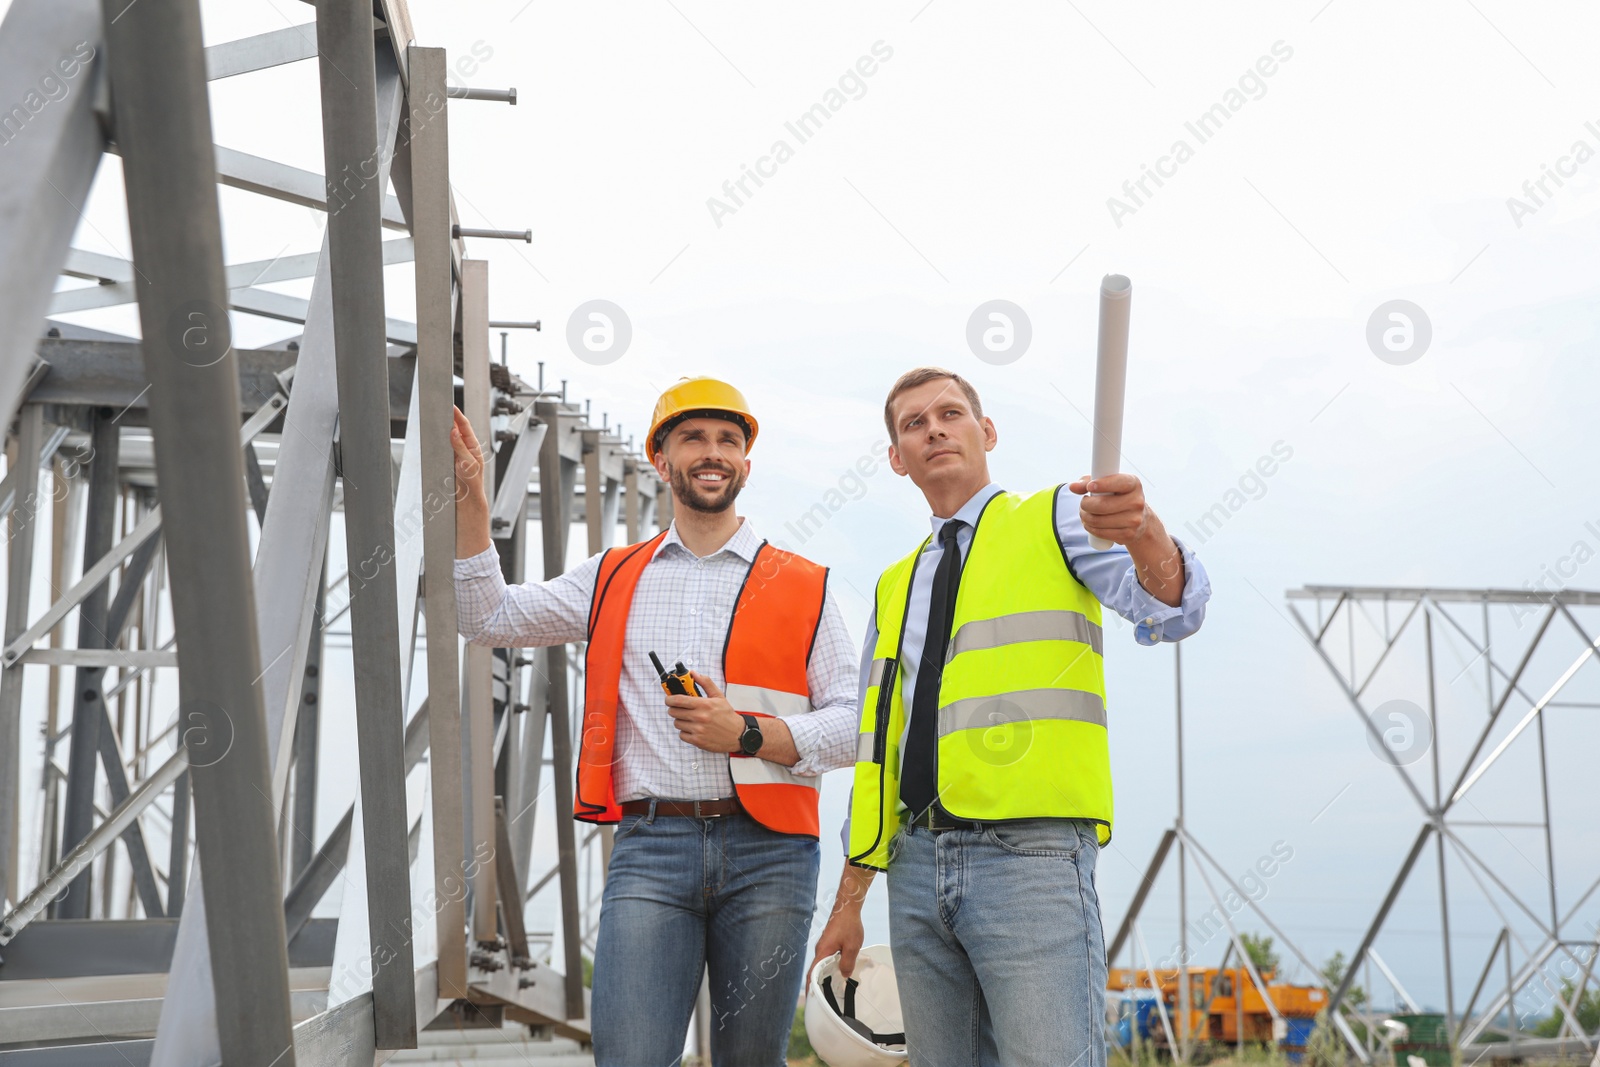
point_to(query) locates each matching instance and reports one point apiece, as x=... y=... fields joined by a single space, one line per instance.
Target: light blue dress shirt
x=1109 y=574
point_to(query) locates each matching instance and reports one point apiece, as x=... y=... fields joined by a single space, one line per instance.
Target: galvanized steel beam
x=351 y=148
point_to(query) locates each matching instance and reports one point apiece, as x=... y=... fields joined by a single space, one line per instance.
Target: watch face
x=750 y=740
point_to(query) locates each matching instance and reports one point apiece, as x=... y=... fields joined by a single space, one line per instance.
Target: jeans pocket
x=1058 y=838
x=628 y=825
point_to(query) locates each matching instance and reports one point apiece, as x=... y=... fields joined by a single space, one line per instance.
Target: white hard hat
x=855 y=1021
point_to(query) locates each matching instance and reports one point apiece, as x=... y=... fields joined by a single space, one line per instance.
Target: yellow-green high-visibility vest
x=1022 y=709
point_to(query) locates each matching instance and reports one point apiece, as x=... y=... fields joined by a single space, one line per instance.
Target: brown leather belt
x=693 y=809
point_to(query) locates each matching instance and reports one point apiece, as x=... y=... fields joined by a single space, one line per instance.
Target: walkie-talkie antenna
x=655 y=661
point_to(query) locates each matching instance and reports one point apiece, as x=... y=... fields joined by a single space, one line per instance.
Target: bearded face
x=705 y=485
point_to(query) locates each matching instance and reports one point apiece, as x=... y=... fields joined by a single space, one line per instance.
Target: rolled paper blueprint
x=1110 y=381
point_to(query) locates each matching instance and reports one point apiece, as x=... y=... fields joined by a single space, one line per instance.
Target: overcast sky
x=1316 y=161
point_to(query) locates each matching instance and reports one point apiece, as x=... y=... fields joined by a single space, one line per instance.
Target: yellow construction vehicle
x=1214 y=1008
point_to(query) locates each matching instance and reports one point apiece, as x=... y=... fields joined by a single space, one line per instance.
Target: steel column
x=1444 y=896
x=178 y=847
x=510 y=885
x=663 y=505
x=351 y=150
x=553 y=520
x=594 y=481
x=633 y=512
x=609 y=506
x=88 y=702
x=478 y=714
x=1185 y=1016
x=1549 y=839
x=1512 y=1023
x=430 y=224
x=68 y=503
x=19 y=581
x=529 y=778
x=164 y=129
x=307 y=729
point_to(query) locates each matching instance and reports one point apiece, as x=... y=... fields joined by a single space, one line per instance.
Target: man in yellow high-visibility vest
x=983 y=778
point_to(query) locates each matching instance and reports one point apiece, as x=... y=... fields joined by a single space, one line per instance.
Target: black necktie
x=917 y=770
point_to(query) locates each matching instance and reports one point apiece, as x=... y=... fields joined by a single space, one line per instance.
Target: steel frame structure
x=231 y=967
x=1579 y=956
x=1180 y=1038
x=1426 y=609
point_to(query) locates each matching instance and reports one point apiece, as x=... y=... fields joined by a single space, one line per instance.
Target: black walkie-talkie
x=677 y=682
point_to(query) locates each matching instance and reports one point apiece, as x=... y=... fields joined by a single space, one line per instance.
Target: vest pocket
x=880 y=728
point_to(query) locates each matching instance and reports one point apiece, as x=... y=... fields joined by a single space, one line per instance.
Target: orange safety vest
x=770 y=637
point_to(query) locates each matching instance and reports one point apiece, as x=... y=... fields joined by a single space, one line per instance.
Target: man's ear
x=894 y=461
x=660 y=464
x=991 y=436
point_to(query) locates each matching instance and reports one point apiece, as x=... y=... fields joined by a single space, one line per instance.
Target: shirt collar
x=744 y=543
x=968 y=512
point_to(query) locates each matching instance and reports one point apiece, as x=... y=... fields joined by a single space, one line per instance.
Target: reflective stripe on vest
x=1029 y=705
x=766 y=703
x=775 y=620
x=753 y=771
x=773 y=626
x=1025 y=626
x=758 y=701
x=1022 y=711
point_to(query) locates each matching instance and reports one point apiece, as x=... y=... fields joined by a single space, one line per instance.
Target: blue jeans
x=997 y=945
x=685 y=894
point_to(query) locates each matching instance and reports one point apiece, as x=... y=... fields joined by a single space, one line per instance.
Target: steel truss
x=1520 y=689
x=353 y=416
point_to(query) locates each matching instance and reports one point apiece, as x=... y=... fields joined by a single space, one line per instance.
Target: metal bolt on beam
x=499 y=96
x=526 y=236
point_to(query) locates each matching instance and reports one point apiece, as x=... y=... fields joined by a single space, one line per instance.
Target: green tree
x=1588 y=1009
x=1333 y=974
x=1259 y=947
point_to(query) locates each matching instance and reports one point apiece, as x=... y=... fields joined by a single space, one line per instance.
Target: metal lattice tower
x=1354 y=632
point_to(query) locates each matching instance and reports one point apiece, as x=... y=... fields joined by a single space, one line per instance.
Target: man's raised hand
x=1116 y=511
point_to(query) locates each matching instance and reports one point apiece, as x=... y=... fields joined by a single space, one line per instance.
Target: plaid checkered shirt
x=681 y=610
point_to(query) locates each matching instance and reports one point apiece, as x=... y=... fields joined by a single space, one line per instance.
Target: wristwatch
x=750 y=740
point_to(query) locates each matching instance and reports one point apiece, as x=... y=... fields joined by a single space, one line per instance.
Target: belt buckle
x=706 y=815
x=938 y=822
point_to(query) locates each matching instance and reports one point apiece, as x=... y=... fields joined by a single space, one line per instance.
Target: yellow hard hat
x=697 y=398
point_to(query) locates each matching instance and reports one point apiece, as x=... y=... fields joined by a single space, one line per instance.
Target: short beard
x=684 y=491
